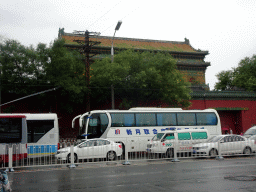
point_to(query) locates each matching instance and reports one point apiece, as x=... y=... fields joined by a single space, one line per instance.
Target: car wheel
x=69 y=158
x=169 y=153
x=213 y=153
x=247 y=151
x=111 y=155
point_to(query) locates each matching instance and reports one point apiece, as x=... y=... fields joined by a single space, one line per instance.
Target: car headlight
x=59 y=152
x=204 y=147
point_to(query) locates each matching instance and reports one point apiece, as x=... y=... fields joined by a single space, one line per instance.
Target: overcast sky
x=225 y=28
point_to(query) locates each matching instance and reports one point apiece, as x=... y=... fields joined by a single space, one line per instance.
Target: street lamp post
x=112 y=60
x=112 y=47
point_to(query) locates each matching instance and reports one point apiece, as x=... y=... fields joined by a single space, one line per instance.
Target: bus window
x=206 y=119
x=186 y=119
x=122 y=120
x=38 y=128
x=166 y=119
x=145 y=119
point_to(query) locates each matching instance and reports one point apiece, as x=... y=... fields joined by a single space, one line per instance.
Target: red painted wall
x=237 y=120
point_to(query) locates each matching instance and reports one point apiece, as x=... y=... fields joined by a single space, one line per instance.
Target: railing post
x=10 y=168
x=72 y=164
x=126 y=162
x=175 y=158
x=219 y=157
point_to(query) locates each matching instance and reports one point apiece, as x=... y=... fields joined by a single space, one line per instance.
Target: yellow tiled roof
x=134 y=43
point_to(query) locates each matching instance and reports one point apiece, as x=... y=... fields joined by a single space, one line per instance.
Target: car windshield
x=250 y=132
x=158 y=136
x=214 y=139
x=78 y=142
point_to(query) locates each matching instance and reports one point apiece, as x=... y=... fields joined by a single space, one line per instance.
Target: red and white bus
x=13 y=134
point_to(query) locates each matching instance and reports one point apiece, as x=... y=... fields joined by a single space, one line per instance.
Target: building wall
x=197 y=77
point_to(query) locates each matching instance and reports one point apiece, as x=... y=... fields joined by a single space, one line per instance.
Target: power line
x=120 y=19
x=31 y=95
x=104 y=14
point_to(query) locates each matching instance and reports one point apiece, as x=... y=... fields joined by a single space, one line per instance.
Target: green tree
x=28 y=70
x=66 y=70
x=21 y=70
x=225 y=81
x=243 y=76
x=141 y=77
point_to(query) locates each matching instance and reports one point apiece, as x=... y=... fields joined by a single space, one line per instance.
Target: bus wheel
x=69 y=158
x=111 y=155
x=169 y=153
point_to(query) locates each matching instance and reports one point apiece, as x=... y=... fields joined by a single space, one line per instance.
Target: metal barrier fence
x=71 y=154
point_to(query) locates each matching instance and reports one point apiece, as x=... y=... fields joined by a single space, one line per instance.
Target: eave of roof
x=140 y=44
x=224 y=94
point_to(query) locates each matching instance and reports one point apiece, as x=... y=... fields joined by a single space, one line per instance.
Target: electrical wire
x=104 y=14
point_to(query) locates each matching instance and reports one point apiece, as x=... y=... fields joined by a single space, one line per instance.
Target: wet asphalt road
x=232 y=174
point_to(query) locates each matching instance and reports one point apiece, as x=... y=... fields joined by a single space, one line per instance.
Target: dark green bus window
x=145 y=119
x=166 y=119
x=184 y=136
x=186 y=119
x=199 y=135
x=206 y=119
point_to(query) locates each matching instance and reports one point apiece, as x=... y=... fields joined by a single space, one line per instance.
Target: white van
x=250 y=132
x=164 y=142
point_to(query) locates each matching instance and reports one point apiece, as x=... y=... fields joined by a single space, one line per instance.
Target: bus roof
x=154 y=109
x=11 y=116
x=33 y=116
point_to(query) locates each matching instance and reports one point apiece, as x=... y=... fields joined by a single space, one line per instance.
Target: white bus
x=137 y=125
x=13 y=134
x=42 y=133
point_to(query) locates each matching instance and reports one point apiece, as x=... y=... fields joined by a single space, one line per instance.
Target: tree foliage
x=241 y=77
x=28 y=70
x=141 y=77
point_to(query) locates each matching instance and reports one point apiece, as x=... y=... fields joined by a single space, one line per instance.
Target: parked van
x=250 y=132
x=165 y=141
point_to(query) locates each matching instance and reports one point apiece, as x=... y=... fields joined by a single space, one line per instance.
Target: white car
x=91 y=148
x=226 y=144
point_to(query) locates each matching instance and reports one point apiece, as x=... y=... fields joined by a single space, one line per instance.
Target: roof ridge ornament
x=186 y=41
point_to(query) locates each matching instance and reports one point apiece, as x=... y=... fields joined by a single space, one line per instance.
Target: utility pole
x=87 y=51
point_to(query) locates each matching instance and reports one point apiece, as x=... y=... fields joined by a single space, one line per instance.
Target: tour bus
x=42 y=134
x=13 y=134
x=138 y=125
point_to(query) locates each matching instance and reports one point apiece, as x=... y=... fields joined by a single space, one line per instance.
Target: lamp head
x=118 y=25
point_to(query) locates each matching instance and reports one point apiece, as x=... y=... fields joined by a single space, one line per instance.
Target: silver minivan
x=250 y=132
x=164 y=142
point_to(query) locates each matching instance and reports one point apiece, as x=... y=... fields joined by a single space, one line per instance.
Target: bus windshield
x=97 y=125
x=10 y=130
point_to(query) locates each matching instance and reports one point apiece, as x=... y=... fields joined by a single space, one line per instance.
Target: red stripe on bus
x=14 y=116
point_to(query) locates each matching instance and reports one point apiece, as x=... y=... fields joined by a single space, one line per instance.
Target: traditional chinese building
x=190 y=61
